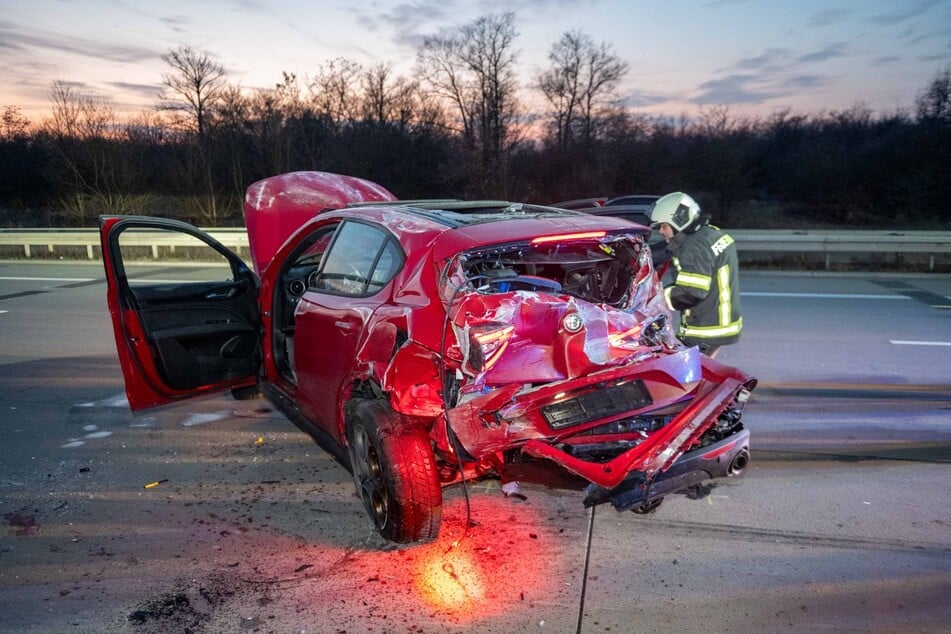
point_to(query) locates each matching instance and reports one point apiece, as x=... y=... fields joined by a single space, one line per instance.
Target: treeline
x=458 y=128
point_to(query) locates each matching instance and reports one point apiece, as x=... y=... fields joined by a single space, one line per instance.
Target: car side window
x=361 y=261
x=386 y=267
x=148 y=251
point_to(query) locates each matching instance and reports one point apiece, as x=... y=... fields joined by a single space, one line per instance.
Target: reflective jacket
x=706 y=288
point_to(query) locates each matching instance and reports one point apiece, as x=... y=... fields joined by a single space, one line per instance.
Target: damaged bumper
x=728 y=457
x=660 y=450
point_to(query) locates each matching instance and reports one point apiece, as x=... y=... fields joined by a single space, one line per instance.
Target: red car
x=426 y=342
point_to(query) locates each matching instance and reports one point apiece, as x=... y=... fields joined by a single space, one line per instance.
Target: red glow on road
x=450 y=581
x=509 y=561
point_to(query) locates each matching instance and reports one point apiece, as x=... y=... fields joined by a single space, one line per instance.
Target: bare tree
x=473 y=68
x=561 y=85
x=580 y=82
x=388 y=99
x=334 y=90
x=440 y=69
x=79 y=115
x=197 y=82
x=934 y=102
x=13 y=125
x=82 y=128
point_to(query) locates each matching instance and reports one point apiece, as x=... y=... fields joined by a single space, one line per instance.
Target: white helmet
x=677 y=209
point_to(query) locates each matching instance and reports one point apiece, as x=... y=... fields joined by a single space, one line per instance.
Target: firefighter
x=706 y=284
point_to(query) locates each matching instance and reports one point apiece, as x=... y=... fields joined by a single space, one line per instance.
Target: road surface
x=842 y=522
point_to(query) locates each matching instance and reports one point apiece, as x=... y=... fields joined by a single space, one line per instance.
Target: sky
x=757 y=57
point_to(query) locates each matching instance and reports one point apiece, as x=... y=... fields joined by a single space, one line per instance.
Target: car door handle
x=225 y=294
x=345 y=325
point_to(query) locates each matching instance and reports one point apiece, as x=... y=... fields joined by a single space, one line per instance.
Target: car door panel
x=332 y=314
x=181 y=338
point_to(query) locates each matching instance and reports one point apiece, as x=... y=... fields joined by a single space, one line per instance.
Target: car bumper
x=722 y=459
x=658 y=452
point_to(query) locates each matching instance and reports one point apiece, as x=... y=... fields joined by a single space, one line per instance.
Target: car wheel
x=394 y=470
x=648 y=507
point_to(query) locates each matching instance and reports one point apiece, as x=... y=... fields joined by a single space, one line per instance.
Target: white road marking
x=49 y=279
x=201 y=419
x=900 y=342
x=820 y=295
x=119 y=400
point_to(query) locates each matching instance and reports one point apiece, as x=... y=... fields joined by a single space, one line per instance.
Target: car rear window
x=598 y=271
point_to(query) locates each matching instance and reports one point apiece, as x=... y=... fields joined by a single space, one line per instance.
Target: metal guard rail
x=824 y=242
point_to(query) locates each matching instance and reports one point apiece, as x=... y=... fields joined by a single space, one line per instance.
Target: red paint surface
x=276 y=207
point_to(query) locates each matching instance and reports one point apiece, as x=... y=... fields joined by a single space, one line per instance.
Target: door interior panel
x=200 y=333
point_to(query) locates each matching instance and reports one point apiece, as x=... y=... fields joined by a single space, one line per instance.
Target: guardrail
x=825 y=243
x=828 y=242
x=234 y=238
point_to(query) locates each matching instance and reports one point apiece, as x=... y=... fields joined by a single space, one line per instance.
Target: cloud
x=17 y=37
x=769 y=58
x=146 y=90
x=751 y=88
x=776 y=72
x=905 y=13
x=642 y=99
x=724 y=3
x=885 y=61
x=938 y=57
x=830 y=52
x=412 y=22
x=409 y=20
x=806 y=81
x=733 y=89
x=175 y=22
x=914 y=37
x=251 y=6
x=827 y=17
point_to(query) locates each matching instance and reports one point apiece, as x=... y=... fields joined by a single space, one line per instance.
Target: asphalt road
x=842 y=522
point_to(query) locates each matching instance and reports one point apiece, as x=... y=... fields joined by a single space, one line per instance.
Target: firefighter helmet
x=677 y=209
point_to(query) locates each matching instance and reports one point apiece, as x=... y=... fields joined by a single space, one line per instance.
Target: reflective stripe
x=726 y=298
x=710 y=332
x=693 y=279
x=720 y=245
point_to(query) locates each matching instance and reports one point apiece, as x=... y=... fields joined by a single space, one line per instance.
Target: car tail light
x=569 y=236
x=487 y=342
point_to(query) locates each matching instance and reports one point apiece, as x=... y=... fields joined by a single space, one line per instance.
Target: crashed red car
x=427 y=342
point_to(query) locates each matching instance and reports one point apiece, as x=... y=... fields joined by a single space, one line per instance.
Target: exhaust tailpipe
x=740 y=461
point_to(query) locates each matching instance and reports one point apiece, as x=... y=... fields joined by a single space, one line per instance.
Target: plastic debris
x=512 y=490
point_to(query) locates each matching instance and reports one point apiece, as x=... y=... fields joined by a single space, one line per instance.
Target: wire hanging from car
x=453 y=441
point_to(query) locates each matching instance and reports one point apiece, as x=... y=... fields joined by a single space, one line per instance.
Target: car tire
x=394 y=471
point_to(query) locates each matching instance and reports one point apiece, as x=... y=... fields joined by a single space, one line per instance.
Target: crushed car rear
x=562 y=350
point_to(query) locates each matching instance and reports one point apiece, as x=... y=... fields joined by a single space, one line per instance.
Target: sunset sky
x=756 y=56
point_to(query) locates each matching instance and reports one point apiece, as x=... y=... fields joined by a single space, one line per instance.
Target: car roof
x=632 y=199
x=460 y=213
x=462 y=225
x=579 y=203
x=617 y=210
x=455 y=214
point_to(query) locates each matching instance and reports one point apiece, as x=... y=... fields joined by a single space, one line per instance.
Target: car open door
x=186 y=324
